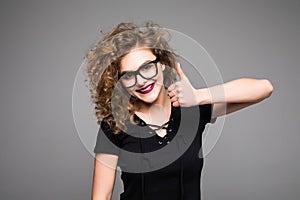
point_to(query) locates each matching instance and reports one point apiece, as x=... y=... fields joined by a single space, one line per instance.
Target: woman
x=141 y=108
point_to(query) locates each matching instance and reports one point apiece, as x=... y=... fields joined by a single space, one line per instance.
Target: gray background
x=42 y=47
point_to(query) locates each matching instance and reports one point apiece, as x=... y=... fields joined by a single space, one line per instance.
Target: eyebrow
x=144 y=63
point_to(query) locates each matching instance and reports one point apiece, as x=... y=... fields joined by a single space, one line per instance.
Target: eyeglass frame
x=137 y=72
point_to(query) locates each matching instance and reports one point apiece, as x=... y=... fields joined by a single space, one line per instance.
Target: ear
x=163 y=67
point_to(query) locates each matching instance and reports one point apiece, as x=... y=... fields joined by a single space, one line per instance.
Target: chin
x=150 y=97
x=148 y=100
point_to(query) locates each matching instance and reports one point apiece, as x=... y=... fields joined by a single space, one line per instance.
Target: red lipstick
x=147 y=89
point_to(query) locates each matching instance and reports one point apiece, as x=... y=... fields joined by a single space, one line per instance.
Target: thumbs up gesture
x=182 y=93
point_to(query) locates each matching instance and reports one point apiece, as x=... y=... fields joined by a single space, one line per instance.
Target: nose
x=140 y=80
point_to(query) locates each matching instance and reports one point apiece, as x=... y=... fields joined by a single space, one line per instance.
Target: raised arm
x=234 y=95
x=226 y=98
x=104 y=176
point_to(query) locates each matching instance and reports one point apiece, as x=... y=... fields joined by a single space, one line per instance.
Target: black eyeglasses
x=146 y=71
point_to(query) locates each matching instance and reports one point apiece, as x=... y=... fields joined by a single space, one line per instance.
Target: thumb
x=179 y=71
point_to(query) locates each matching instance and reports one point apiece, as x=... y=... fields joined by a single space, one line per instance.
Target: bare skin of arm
x=237 y=94
x=226 y=98
x=104 y=176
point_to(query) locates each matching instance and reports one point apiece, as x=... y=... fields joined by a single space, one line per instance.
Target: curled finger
x=171 y=94
x=174 y=98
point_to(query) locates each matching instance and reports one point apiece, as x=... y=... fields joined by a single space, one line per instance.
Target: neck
x=157 y=112
x=162 y=101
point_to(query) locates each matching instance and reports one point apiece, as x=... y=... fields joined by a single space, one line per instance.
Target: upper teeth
x=146 y=88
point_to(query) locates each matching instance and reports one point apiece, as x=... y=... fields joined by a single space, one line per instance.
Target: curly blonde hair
x=103 y=65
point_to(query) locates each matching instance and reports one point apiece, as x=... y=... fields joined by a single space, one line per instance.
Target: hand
x=182 y=93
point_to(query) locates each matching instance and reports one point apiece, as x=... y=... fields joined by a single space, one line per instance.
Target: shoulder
x=106 y=129
x=206 y=113
x=106 y=139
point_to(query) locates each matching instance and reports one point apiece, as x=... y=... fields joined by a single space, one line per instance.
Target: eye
x=147 y=67
x=128 y=76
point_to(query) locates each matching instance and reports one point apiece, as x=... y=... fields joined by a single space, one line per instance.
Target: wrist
x=202 y=96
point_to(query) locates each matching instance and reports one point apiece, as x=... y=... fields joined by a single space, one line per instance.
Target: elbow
x=102 y=196
x=268 y=88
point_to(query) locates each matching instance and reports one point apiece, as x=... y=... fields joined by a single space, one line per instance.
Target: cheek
x=130 y=90
x=160 y=77
x=123 y=90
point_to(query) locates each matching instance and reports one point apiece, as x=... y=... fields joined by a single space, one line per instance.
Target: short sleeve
x=206 y=113
x=107 y=141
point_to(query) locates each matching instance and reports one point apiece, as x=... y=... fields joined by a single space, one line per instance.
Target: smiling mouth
x=146 y=89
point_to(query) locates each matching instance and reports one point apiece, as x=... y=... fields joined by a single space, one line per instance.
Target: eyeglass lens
x=146 y=71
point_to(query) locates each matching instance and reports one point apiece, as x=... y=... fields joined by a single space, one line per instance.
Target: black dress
x=176 y=179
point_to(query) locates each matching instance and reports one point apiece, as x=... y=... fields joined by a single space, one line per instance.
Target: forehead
x=135 y=58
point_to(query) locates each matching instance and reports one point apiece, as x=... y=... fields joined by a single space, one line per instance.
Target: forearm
x=99 y=192
x=101 y=197
x=104 y=176
x=243 y=90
